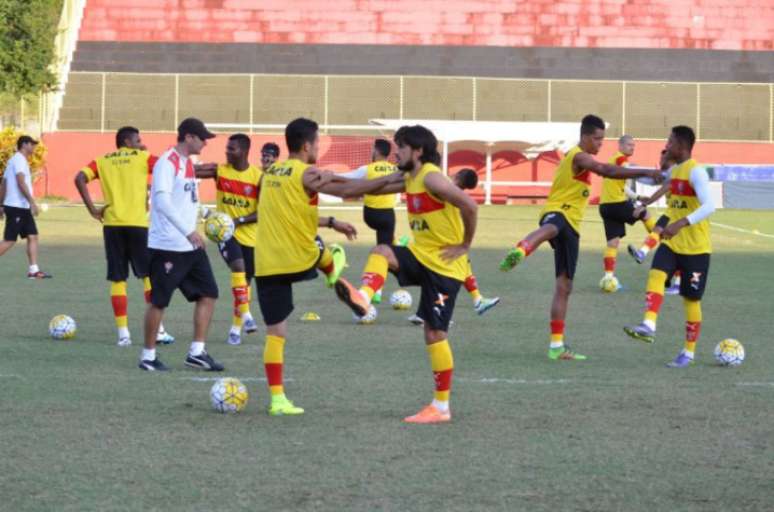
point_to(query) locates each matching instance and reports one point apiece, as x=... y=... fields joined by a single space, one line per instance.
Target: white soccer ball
x=218 y=227
x=729 y=352
x=609 y=284
x=369 y=317
x=228 y=395
x=62 y=327
x=400 y=300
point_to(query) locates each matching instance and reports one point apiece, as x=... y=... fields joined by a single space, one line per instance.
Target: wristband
x=331 y=220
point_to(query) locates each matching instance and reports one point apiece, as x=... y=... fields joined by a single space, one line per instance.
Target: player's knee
x=563 y=286
x=434 y=335
x=383 y=250
x=237 y=265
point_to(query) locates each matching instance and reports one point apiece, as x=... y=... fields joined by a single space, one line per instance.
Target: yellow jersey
x=287 y=221
x=376 y=170
x=123 y=177
x=612 y=189
x=237 y=196
x=569 y=193
x=694 y=238
x=435 y=224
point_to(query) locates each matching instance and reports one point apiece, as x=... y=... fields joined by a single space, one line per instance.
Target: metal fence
x=646 y=110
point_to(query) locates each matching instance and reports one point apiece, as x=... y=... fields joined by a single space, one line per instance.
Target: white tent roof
x=528 y=138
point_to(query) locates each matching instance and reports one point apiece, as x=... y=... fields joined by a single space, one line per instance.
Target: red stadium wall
x=704 y=24
x=70 y=151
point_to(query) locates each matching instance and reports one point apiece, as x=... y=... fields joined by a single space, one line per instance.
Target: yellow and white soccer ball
x=228 y=395
x=400 y=300
x=729 y=352
x=369 y=317
x=62 y=327
x=609 y=284
x=218 y=227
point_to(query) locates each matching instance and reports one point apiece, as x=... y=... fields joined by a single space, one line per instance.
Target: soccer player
x=19 y=207
x=177 y=256
x=617 y=207
x=443 y=222
x=269 y=154
x=466 y=179
x=378 y=210
x=685 y=246
x=288 y=249
x=123 y=178
x=237 y=183
x=561 y=218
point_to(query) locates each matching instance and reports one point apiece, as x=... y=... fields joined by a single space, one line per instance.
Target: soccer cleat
x=377 y=298
x=339 y=263
x=234 y=338
x=641 y=332
x=38 y=275
x=484 y=305
x=681 y=361
x=564 y=354
x=416 y=320
x=165 y=338
x=673 y=289
x=153 y=366
x=250 y=325
x=281 y=406
x=203 y=362
x=124 y=341
x=352 y=297
x=429 y=414
x=513 y=258
x=637 y=254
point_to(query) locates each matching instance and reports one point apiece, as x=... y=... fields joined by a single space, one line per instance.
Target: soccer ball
x=228 y=395
x=400 y=300
x=218 y=227
x=729 y=352
x=62 y=327
x=369 y=317
x=609 y=284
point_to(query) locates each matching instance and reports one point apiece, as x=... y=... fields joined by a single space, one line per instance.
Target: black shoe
x=204 y=362
x=153 y=366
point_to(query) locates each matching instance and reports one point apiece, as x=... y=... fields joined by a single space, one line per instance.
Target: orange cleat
x=352 y=297
x=430 y=414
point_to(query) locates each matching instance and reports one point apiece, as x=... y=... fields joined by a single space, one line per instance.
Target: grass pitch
x=84 y=429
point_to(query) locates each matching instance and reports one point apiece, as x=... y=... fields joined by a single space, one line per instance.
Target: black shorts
x=694 y=268
x=190 y=272
x=124 y=246
x=438 y=295
x=381 y=220
x=275 y=293
x=615 y=217
x=19 y=222
x=565 y=244
x=232 y=250
x=662 y=222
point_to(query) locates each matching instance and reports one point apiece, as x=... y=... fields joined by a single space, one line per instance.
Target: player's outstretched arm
x=444 y=189
x=208 y=170
x=585 y=162
x=327 y=182
x=658 y=194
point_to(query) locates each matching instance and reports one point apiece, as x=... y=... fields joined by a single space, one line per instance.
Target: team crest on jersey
x=695 y=280
x=168 y=267
x=417 y=203
x=248 y=190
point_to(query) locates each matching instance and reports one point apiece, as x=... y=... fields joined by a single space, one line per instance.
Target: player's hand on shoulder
x=452 y=252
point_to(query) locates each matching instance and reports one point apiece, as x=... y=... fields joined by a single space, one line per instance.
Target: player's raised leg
x=527 y=246
x=379 y=261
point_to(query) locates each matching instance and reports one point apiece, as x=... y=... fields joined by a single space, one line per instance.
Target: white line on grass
x=10 y=377
x=243 y=379
x=742 y=230
x=756 y=384
x=495 y=380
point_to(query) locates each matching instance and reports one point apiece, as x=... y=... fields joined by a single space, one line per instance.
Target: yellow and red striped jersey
x=694 y=238
x=569 y=193
x=612 y=189
x=237 y=196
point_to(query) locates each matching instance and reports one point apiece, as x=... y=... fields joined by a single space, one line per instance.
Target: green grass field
x=84 y=429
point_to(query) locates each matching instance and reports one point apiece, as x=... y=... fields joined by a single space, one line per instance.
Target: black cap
x=271 y=148
x=194 y=126
x=25 y=139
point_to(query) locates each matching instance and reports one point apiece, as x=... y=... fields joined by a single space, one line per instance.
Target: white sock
x=688 y=353
x=123 y=332
x=247 y=317
x=556 y=344
x=609 y=274
x=197 y=347
x=644 y=250
x=378 y=292
x=236 y=329
x=650 y=323
x=33 y=269
x=149 y=354
x=441 y=406
x=161 y=329
x=477 y=302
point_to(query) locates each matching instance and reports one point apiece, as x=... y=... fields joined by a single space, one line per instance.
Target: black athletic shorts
x=275 y=293
x=124 y=246
x=19 y=222
x=190 y=272
x=615 y=217
x=565 y=244
x=381 y=220
x=439 y=292
x=233 y=250
x=662 y=222
x=694 y=268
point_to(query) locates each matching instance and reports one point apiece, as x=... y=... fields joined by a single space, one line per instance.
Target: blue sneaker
x=681 y=361
x=641 y=332
x=637 y=254
x=672 y=290
x=234 y=338
x=485 y=304
x=249 y=325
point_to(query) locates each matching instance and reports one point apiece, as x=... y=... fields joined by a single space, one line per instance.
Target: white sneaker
x=485 y=304
x=234 y=338
x=249 y=324
x=126 y=341
x=416 y=320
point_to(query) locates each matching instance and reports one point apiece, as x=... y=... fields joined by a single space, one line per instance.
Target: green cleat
x=564 y=354
x=281 y=406
x=377 y=298
x=339 y=263
x=513 y=258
